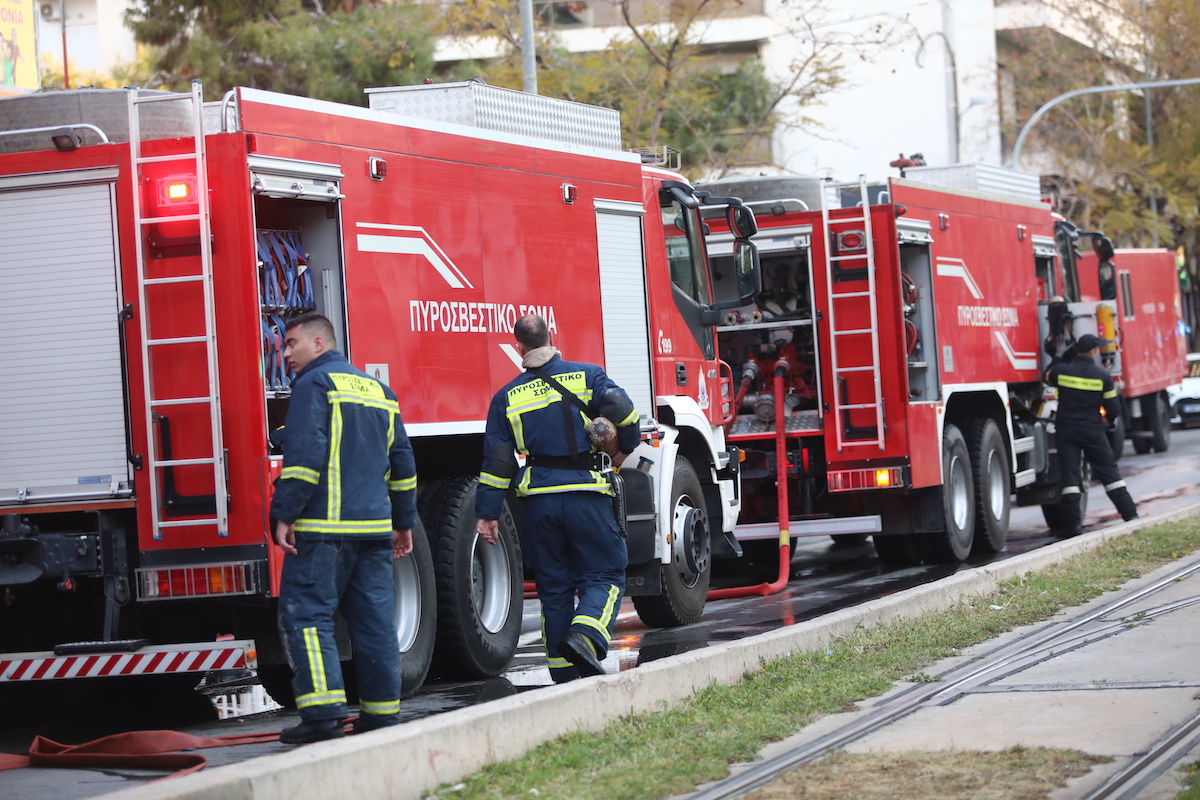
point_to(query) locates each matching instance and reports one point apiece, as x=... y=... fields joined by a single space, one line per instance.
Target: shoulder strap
x=574 y=399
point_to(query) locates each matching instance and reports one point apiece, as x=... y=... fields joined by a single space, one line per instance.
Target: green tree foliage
x=294 y=46
x=1105 y=170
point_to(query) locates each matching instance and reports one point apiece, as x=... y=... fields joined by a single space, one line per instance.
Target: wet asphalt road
x=824 y=577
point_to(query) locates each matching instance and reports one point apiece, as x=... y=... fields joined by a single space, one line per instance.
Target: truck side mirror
x=1103 y=247
x=741 y=221
x=745 y=261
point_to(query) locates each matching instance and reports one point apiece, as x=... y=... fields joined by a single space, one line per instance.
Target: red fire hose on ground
x=785 y=541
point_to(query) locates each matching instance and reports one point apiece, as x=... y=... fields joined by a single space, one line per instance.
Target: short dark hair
x=531 y=331
x=316 y=325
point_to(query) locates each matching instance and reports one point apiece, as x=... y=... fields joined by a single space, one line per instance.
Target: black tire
x=1160 y=426
x=900 y=549
x=849 y=539
x=479 y=585
x=415 y=611
x=953 y=543
x=993 y=486
x=685 y=580
x=1141 y=444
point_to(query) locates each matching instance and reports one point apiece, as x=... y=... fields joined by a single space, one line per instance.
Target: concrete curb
x=413 y=759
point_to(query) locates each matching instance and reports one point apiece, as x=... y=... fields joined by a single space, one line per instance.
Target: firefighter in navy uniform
x=344 y=508
x=572 y=541
x=1083 y=387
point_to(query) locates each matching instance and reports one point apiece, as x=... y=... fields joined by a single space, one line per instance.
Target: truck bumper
x=150 y=660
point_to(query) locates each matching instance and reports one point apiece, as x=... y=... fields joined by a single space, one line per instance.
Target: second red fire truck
x=889 y=371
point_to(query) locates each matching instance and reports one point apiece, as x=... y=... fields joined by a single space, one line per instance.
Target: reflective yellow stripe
x=301 y=474
x=370 y=402
x=532 y=392
x=333 y=476
x=1084 y=384
x=495 y=481
x=1110 y=394
x=632 y=418
x=357 y=385
x=333 y=698
x=316 y=662
x=559 y=663
x=599 y=485
x=344 y=526
x=606 y=615
x=384 y=708
x=403 y=485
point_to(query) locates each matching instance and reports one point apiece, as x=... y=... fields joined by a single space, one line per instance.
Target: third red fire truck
x=889 y=372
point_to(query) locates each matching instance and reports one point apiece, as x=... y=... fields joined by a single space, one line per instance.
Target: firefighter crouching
x=572 y=540
x=1083 y=386
x=345 y=505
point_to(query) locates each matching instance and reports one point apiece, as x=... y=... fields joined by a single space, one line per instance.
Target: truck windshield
x=681 y=228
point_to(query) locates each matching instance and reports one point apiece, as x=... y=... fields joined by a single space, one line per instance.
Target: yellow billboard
x=17 y=47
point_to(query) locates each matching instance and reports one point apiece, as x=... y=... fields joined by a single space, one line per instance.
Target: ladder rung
x=845 y=295
x=162 y=98
x=178 y=340
x=176 y=279
x=856 y=406
x=861 y=257
x=861 y=443
x=184 y=462
x=174 y=218
x=162 y=159
x=181 y=401
x=856 y=332
x=187 y=523
x=854 y=369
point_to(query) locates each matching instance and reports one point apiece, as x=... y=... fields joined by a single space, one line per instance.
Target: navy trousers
x=355 y=576
x=578 y=559
x=1093 y=443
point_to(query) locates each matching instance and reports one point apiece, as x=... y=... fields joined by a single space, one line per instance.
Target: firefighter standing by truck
x=344 y=509
x=1083 y=388
x=572 y=538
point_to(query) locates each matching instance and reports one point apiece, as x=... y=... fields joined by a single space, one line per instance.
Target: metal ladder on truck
x=157 y=461
x=838 y=336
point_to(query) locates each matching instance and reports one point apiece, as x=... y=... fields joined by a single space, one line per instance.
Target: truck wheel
x=953 y=543
x=479 y=592
x=993 y=495
x=415 y=611
x=900 y=549
x=685 y=580
x=1160 y=425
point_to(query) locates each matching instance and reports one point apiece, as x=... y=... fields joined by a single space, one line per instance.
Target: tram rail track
x=1039 y=645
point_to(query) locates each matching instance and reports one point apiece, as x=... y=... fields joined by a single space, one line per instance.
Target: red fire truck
x=889 y=372
x=153 y=249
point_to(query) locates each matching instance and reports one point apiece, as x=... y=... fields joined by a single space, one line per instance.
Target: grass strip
x=652 y=756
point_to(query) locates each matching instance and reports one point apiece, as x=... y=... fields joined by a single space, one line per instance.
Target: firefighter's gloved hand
x=1070 y=353
x=1050 y=347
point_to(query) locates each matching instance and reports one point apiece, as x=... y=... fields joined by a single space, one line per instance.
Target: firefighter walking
x=344 y=509
x=572 y=541
x=1080 y=431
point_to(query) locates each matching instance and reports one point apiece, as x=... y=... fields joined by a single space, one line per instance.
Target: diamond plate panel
x=808 y=420
x=498 y=109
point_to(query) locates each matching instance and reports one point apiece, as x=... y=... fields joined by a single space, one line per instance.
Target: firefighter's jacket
x=1083 y=387
x=527 y=416
x=348 y=468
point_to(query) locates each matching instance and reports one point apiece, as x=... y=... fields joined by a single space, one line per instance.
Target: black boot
x=1124 y=503
x=313 y=731
x=1072 y=522
x=579 y=650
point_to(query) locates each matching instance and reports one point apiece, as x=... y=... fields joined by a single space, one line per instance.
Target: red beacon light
x=852 y=240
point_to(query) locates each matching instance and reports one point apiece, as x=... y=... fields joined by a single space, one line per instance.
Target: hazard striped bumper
x=152 y=660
